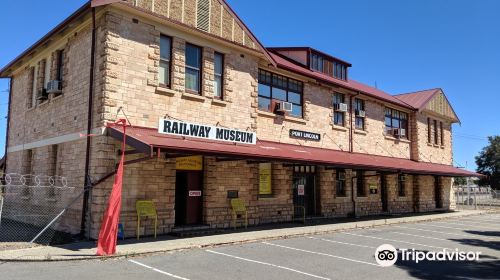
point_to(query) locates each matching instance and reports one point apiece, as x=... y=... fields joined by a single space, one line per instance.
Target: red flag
x=106 y=244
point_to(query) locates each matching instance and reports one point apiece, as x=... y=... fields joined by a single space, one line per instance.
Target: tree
x=488 y=163
x=459 y=181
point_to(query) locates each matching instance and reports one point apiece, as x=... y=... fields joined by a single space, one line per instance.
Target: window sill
x=296 y=120
x=55 y=98
x=433 y=145
x=43 y=104
x=392 y=138
x=286 y=118
x=193 y=96
x=32 y=108
x=265 y=114
x=360 y=131
x=338 y=127
x=165 y=91
x=219 y=102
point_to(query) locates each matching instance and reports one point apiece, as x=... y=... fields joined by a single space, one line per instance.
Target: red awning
x=147 y=140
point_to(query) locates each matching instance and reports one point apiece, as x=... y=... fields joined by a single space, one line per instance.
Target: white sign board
x=194 y=193
x=300 y=190
x=181 y=128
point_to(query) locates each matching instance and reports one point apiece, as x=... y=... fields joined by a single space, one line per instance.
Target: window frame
x=169 y=62
x=221 y=75
x=360 y=183
x=336 y=113
x=429 y=132
x=287 y=90
x=340 y=185
x=400 y=120
x=359 y=105
x=401 y=185
x=441 y=132
x=60 y=65
x=435 y=132
x=200 y=70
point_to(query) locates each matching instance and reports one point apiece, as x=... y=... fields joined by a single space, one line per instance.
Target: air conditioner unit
x=283 y=107
x=54 y=86
x=400 y=132
x=341 y=107
x=360 y=113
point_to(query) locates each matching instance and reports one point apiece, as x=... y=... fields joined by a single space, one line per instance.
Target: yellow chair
x=238 y=208
x=145 y=208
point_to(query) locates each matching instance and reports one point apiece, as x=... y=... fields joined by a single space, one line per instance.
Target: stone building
x=216 y=115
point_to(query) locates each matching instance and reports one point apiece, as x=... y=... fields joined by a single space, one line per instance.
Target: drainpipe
x=88 y=183
x=351 y=148
x=8 y=126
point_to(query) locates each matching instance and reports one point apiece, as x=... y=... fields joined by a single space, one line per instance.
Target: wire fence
x=476 y=197
x=34 y=210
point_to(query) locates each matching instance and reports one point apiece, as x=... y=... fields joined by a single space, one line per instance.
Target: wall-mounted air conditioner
x=340 y=107
x=54 y=86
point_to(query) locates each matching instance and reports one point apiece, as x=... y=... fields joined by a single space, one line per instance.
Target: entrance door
x=305 y=194
x=383 y=193
x=188 y=197
x=437 y=193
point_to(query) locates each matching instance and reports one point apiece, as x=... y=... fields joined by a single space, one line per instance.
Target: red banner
x=106 y=244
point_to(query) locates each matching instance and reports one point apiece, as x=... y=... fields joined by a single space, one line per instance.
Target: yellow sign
x=265 y=178
x=145 y=208
x=189 y=163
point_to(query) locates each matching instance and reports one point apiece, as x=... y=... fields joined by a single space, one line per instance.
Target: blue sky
x=401 y=46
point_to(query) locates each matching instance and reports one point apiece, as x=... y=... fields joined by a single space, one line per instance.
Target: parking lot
x=340 y=255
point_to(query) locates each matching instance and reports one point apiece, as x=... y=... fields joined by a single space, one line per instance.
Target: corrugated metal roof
x=418 y=99
x=267 y=150
x=351 y=84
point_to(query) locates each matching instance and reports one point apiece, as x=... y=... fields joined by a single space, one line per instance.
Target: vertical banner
x=106 y=244
x=265 y=178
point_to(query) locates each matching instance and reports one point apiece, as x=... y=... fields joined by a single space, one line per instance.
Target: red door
x=194 y=198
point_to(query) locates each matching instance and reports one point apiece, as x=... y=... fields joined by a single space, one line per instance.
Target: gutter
x=88 y=183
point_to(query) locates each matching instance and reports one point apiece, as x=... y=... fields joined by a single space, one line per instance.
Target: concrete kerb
x=220 y=240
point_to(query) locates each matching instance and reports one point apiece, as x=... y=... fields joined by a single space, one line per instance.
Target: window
x=401 y=184
x=219 y=74
x=30 y=85
x=429 y=132
x=328 y=66
x=435 y=132
x=193 y=68
x=395 y=119
x=338 y=116
x=59 y=66
x=165 y=60
x=53 y=171
x=340 y=182
x=276 y=87
x=442 y=133
x=360 y=183
x=359 y=106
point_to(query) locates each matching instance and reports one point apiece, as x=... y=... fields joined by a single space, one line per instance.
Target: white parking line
x=442 y=232
x=345 y=243
x=473 y=221
x=443 y=227
x=157 y=270
x=319 y=253
x=476 y=226
x=268 y=264
x=416 y=235
x=393 y=240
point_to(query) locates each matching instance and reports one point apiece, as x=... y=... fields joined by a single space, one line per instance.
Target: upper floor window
x=359 y=107
x=435 y=132
x=165 y=59
x=340 y=186
x=339 y=112
x=328 y=66
x=274 y=87
x=396 y=122
x=429 y=131
x=442 y=133
x=193 y=68
x=218 y=74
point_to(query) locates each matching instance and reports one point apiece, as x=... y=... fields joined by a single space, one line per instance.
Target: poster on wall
x=300 y=190
x=191 y=163
x=265 y=178
x=373 y=189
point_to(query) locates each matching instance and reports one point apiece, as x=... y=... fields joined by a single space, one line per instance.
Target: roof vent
x=203 y=15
